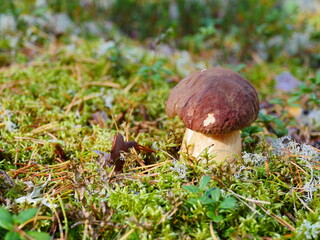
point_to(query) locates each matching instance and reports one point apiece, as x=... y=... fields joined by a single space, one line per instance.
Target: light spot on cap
x=203 y=70
x=209 y=120
x=190 y=111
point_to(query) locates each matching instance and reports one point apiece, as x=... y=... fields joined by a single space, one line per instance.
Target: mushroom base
x=225 y=147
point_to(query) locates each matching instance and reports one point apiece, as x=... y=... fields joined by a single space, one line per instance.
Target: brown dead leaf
x=120 y=145
x=60 y=152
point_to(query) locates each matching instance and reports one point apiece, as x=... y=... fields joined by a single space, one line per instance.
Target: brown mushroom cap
x=214 y=101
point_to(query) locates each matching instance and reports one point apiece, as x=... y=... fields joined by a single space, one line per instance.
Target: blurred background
x=222 y=31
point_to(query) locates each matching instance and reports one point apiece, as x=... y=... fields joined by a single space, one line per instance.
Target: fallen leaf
x=60 y=152
x=120 y=145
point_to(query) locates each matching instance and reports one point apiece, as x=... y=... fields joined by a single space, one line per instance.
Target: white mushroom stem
x=225 y=147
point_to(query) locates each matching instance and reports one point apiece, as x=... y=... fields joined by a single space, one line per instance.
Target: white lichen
x=7 y=23
x=36 y=197
x=180 y=168
x=305 y=153
x=310 y=187
x=5 y=116
x=104 y=47
x=107 y=97
x=254 y=159
x=309 y=230
x=239 y=171
x=286 y=145
x=41 y=3
x=311 y=119
x=10 y=126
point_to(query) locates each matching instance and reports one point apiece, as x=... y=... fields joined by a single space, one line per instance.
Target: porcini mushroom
x=214 y=105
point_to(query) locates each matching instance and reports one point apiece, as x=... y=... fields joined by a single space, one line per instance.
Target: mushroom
x=214 y=105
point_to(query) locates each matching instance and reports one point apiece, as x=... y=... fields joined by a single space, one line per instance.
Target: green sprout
x=211 y=198
x=15 y=223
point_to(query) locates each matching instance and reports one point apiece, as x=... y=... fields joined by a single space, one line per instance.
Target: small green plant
x=273 y=124
x=15 y=223
x=309 y=91
x=156 y=72
x=246 y=134
x=211 y=198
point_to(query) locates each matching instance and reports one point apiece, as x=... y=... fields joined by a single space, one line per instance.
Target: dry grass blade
x=277 y=218
x=34 y=219
x=23 y=169
x=304 y=204
x=11 y=84
x=104 y=84
x=153 y=168
x=125 y=236
x=169 y=214
x=136 y=177
x=248 y=199
x=213 y=235
x=130 y=85
x=86 y=229
x=59 y=165
x=62 y=178
x=31 y=139
x=64 y=189
x=56 y=218
x=45 y=127
x=76 y=102
x=150 y=166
